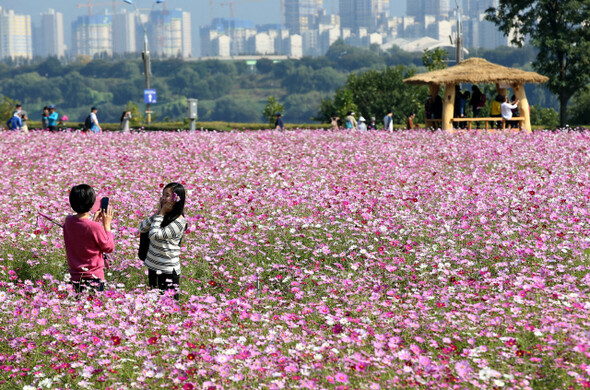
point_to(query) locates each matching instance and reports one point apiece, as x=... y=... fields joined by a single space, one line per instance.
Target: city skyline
x=306 y=28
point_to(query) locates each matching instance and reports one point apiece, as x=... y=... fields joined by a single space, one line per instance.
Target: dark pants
x=164 y=281
x=84 y=284
x=52 y=128
x=476 y=111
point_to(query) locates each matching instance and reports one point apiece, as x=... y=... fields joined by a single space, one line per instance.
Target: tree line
x=365 y=80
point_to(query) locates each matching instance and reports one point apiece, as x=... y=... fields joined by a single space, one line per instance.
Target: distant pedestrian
x=279 y=125
x=372 y=124
x=24 y=117
x=15 y=122
x=410 y=122
x=362 y=124
x=334 y=122
x=91 y=122
x=477 y=102
x=350 y=122
x=515 y=112
x=495 y=107
x=506 y=109
x=388 y=121
x=45 y=118
x=52 y=118
x=438 y=109
x=125 y=118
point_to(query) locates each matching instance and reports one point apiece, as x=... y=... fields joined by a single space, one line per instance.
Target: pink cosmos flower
x=341 y=377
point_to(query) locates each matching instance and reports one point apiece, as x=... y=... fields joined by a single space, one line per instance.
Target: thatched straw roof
x=475 y=71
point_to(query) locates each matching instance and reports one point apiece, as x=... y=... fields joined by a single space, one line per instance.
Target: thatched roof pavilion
x=476 y=71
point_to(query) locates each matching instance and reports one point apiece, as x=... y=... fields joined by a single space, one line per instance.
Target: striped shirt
x=164 y=250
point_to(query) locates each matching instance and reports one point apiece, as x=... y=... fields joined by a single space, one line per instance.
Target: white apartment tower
x=124 y=33
x=15 y=35
x=51 y=35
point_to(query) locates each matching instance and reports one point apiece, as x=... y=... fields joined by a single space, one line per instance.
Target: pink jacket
x=86 y=241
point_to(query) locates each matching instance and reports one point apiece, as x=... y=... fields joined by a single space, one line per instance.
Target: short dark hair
x=18 y=105
x=82 y=198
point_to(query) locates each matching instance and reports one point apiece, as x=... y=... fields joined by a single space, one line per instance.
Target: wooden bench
x=432 y=122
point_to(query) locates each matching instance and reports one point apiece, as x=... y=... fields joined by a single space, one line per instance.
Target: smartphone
x=104 y=204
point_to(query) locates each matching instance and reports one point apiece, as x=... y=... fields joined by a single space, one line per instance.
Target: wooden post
x=523 y=107
x=448 y=107
x=433 y=90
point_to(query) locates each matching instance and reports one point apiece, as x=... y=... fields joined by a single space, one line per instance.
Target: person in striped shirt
x=166 y=228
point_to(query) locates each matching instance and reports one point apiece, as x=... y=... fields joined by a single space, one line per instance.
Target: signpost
x=149 y=96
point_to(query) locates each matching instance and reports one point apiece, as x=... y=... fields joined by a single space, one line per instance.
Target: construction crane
x=90 y=4
x=231 y=4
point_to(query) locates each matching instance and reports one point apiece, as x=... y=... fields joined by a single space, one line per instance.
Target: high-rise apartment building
x=124 y=33
x=359 y=14
x=92 y=35
x=169 y=33
x=301 y=15
x=16 y=37
x=49 y=37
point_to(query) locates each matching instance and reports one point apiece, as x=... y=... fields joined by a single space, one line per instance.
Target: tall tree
x=561 y=32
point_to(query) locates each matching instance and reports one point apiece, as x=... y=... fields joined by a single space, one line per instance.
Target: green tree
x=435 y=59
x=136 y=115
x=561 y=32
x=339 y=105
x=7 y=107
x=272 y=107
x=579 y=113
x=373 y=92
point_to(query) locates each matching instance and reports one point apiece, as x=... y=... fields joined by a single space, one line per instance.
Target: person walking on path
x=279 y=125
x=388 y=121
x=52 y=119
x=94 y=125
x=24 y=117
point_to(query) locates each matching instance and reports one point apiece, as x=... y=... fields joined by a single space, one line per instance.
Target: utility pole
x=145 y=55
x=459 y=40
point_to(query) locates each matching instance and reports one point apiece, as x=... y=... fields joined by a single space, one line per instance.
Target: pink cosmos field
x=313 y=259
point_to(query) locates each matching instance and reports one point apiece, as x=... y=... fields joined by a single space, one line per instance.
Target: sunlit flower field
x=313 y=259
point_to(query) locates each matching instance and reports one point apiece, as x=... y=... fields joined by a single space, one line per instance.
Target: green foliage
x=342 y=103
x=300 y=85
x=349 y=58
x=373 y=92
x=236 y=109
x=560 y=30
x=546 y=118
x=271 y=108
x=579 y=112
x=137 y=116
x=7 y=106
x=435 y=59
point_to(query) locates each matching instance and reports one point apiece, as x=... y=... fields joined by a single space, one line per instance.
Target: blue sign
x=149 y=96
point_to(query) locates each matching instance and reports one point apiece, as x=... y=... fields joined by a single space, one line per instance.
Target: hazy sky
x=259 y=11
